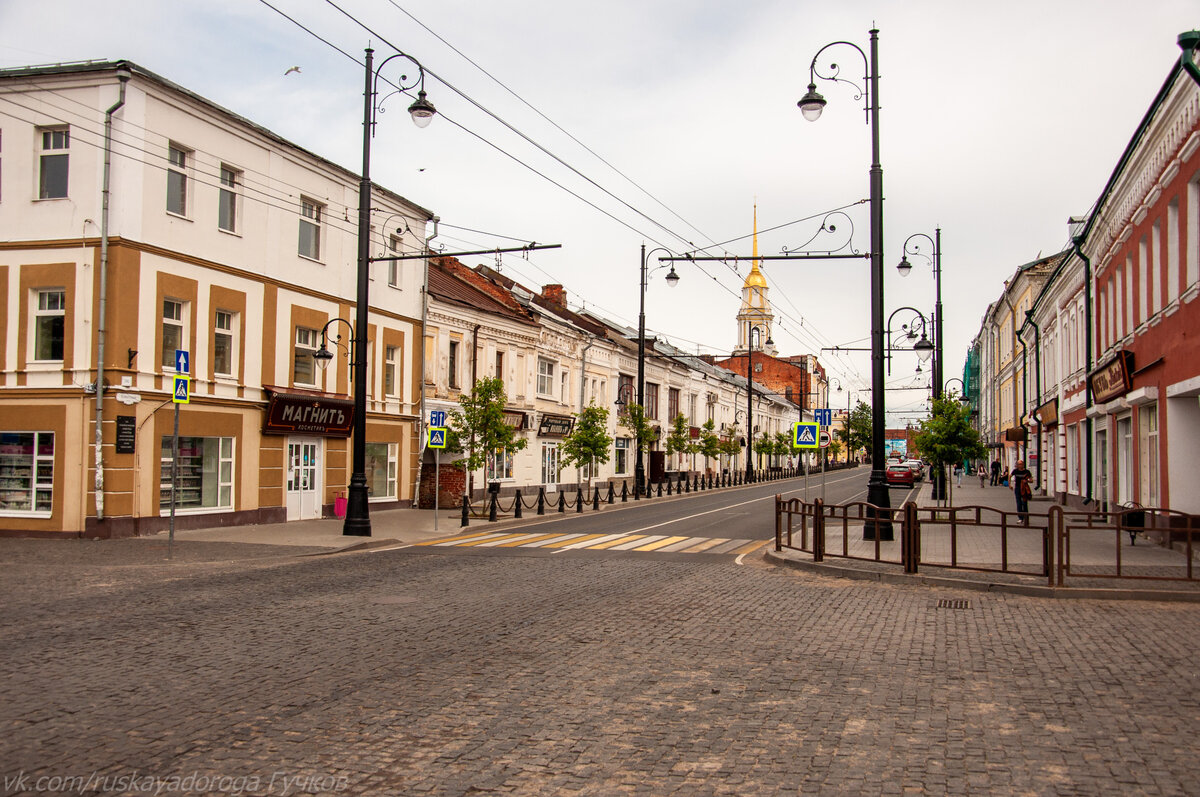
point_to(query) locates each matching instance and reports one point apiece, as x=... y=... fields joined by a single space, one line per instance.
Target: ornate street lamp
x=639 y=471
x=358 y=520
x=811 y=105
x=905 y=267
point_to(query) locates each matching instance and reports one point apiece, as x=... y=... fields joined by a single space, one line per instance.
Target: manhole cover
x=947 y=603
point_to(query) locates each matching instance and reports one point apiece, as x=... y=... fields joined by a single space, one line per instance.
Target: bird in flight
x=291 y=70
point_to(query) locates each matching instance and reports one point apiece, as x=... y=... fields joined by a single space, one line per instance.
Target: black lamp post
x=639 y=471
x=811 y=105
x=904 y=267
x=358 y=520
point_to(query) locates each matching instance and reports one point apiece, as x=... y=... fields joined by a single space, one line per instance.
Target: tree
x=634 y=419
x=764 y=446
x=732 y=446
x=479 y=428
x=835 y=448
x=947 y=437
x=679 y=440
x=856 y=433
x=589 y=442
x=710 y=442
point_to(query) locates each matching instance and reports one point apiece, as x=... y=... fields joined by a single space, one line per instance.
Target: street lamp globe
x=904 y=267
x=322 y=356
x=672 y=278
x=811 y=104
x=923 y=348
x=422 y=110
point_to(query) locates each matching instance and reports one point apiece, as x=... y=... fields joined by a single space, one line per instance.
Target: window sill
x=23 y=514
x=50 y=198
x=234 y=233
x=179 y=216
x=195 y=511
x=303 y=256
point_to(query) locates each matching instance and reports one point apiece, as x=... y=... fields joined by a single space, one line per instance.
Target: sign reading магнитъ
x=290 y=413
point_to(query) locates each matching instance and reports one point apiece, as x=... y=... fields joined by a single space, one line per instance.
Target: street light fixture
x=323 y=355
x=358 y=520
x=904 y=267
x=639 y=471
x=811 y=105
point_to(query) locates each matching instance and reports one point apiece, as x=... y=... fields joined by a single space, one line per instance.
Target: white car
x=918 y=469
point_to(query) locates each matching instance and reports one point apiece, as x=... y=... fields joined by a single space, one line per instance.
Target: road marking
x=642 y=540
x=574 y=538
x=538 y=538
x=704 y=546
x=455 y=539
x=663 y=543
x=594 y=544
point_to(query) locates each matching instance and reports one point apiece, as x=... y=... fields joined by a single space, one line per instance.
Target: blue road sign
x=437 y=438
x=437 y=417
x=181 y=361
x=182 y=390
x=806 y=435
x=823 y=417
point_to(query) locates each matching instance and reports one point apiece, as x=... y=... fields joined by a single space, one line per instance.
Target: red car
x=899 y=474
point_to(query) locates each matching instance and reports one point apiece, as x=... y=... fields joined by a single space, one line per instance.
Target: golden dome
x=755 y=278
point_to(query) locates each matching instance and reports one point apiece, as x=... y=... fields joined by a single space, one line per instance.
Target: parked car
x=899 y=473
x=918 y=468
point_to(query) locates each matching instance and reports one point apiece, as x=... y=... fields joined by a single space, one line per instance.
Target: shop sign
x=555 y=426
x=291 y=413
x=1048 y=413
x=515 y=419
x=1016 y=434
x=1112 y=380
x=694 y=432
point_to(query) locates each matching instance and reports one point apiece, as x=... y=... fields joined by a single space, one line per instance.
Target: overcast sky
x=998 y=122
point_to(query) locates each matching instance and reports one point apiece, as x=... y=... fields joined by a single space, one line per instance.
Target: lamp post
x=811 y=105
x=904 y=267
x=358 y=520
x=639 y=470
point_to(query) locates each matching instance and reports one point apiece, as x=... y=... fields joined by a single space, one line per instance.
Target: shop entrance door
x=303 y=478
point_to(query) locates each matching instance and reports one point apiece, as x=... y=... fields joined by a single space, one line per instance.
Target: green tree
x=679 y=440
x=478 y=428
x=856 y=433
x=835 y=448
x=732 y=446
x=634 y=419
x=710 y=441
x=764 y=447
x=589 y=442
x=946 y=436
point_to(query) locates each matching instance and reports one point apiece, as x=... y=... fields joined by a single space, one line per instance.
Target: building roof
x=451 y=281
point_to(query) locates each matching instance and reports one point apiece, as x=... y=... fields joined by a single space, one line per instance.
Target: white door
x=550 y=466
x=303 y=478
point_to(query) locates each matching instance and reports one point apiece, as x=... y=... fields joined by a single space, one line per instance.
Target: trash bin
x=339 y=505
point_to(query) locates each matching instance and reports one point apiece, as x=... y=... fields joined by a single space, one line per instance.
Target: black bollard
x=611 y=495
x=492 y=507
x=668 y=485
x=579 y=501
x=517 y=504
x=541 y=500
x=562 y=503
x=466 y=510
x=596 y=499
x=624 y=492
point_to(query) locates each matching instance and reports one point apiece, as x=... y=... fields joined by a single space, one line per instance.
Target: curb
x=1028 y=590
x=355 y=546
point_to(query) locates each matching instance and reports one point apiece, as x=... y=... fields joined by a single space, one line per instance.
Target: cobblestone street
x=432 y=672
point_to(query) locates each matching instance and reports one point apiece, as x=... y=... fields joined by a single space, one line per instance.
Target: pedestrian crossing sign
x=806 y=435
x=182 y=391
x=437 y=437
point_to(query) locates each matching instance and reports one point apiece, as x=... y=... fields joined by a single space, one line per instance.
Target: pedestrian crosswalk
x=637 y=543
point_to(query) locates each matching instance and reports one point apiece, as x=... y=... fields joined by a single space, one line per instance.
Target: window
x=179 y=162
x=500 y=366
x=394 y=265
x=651 y=401
x=1148 y=429
x=672 y=403
x=499 y=466
x=227 y=203
x=49 y=319
x=223 y=343
x=692 y=409
x=621 y=449
x=1172 y=250
x=453 y=364
x=205 y=479
x=1143 y=281
x=625 y=389
x=545 y=378
x=27 y=473
x=390 y=353
x=382 y=463
x=1156 y=275
x=173 y=327
x=303 y=364
x=53 y=166
x=565 y=394
x=310 y=229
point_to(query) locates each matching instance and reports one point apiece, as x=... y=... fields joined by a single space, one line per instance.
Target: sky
x=665 y=122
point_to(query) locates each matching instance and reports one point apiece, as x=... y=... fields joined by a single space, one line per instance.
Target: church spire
x=755 y=316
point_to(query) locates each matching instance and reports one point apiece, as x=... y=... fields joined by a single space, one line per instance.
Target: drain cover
x=946 y=603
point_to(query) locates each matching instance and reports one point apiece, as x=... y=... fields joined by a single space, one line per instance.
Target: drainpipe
x=123 y=75
x=1037 y=374
x=1012 y=311
x=424 y=438
x=583 y=386
x=1077 y=243
x=1188 y=42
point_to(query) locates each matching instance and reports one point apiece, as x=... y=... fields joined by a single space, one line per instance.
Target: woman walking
x=1022 y=489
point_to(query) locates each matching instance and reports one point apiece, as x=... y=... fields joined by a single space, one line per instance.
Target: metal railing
x=1056 y=546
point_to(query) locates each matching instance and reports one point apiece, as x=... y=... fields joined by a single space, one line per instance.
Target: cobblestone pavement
x=426 y=671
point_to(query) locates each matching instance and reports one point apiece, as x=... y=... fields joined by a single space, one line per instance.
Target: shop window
x=1148 y=431
x=174 y=326
x=499 y=466
x=621 y=449
x=382 y=465
x=27 y=473
x=54 y=163
x=205 y=478
x=49 y=323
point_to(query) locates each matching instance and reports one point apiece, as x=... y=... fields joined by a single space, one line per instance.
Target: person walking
x=982 y=473
x=1023 y=489
x=995 y=472
x=958 y=470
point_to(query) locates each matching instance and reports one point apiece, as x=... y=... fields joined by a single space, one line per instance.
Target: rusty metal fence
x=1055 y=546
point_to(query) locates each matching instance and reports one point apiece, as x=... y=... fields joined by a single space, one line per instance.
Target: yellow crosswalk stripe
x=704 y=546
x=530 y=540
x=573 y=540
x=660 y=544
x=618 y=541
x=469 y=536
x=487 y=540
x=754 y=546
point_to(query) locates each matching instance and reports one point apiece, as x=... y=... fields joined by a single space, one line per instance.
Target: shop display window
x=27 y=473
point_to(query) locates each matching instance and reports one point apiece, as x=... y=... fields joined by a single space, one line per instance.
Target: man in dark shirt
x=1022 y=484
x=995 y=472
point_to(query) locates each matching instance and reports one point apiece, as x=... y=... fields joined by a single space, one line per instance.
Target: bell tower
x=755 y=316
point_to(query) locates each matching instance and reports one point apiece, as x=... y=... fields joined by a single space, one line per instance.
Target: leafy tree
x=857 y=431
x=634 y=419
x=835 y=448
x=679 y=439
x=589 y=442
x=732 y=446
x=710 y=441
x=946 y=437
x=764 y=446
x=479 y=428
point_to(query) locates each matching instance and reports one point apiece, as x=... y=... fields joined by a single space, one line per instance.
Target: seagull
x=290 y=71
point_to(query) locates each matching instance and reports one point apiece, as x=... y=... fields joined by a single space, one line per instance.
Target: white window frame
x=545 y=378
x=390 y=372
x=312 y=215
x=54 y=147
x=224 y=471
x=42 y=300
x=38 y=474
x=621 y=449
x=452 y=363
x=393 y=468
x=230 y=196
x=304 y=341
x=225 y=327
x=179 y=177
x=170 y=319
x=394 y=244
